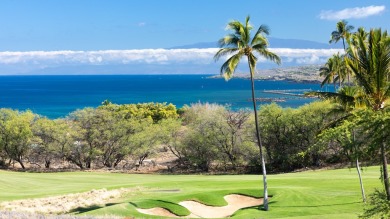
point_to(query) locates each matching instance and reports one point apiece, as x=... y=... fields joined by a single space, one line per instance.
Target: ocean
x=57 y=96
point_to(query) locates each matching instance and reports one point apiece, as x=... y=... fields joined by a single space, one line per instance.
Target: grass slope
x=312 y=194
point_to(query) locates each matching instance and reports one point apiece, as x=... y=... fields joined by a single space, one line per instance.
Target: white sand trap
x=198 y=210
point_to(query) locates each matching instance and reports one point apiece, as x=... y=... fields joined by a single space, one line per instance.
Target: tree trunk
x=358 y=170
x=345 y=53
x=47 y=164
x=360 y=180
x=19 y=160
x=259 y=143
x=385 y=171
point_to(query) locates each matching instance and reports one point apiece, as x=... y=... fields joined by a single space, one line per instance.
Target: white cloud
x=141 y=24
x=349 y=13
x=155 y=56
x=34 y=60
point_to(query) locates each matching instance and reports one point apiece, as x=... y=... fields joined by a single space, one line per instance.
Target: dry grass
x=24 y=215
x=60 y=204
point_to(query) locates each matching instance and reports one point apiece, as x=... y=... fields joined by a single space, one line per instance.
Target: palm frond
x=228 y=68
x=248 y=28
x=259 y=37
x=229 y=40
x=223 y=52
x=327 y=95
x=267 y=54
x=238 y=28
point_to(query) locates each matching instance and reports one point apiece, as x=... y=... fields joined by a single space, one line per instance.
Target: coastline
x=301 y=74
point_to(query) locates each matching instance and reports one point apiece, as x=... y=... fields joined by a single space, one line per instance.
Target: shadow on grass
x=167 y=205
x=81 y=210
x=157 y=200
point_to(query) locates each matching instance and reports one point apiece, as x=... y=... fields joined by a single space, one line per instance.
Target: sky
x=47 y=36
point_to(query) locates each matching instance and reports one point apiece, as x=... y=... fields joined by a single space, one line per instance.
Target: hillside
x=307 y=74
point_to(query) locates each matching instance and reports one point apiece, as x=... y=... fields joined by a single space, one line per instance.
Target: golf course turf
x=310 y=194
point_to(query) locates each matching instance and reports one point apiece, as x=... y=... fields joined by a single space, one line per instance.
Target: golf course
x=309 y=194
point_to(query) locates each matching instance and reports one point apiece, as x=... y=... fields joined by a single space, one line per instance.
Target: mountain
x=274 y=43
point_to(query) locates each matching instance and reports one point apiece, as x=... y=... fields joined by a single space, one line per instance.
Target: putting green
x=311 y=194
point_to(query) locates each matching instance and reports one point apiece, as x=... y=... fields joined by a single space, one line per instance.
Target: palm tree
x=342 y=32
x=333 y=70
x=239 y=44
x=329 y=73
x=369 y=60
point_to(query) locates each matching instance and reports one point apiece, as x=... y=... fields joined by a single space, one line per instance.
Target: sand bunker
x=63 y=203
x=198 y=210
x=162 y=212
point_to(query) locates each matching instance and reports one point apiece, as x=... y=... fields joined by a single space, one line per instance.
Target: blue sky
x=68 y=27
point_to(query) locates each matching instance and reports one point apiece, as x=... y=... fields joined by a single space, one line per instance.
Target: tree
x=343 y=32
x=368 y=57
x=369 y=60
x=16 y=134
x=51 y=138
x=289 y=135
x=171 y=133
x=239 y=44
x=333 y=70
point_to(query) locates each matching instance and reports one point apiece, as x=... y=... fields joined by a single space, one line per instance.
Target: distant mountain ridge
x=274 y=43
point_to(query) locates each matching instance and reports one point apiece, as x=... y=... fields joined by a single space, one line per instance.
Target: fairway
x=311 y=194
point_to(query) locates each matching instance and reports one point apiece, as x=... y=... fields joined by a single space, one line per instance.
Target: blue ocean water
x=57 y=96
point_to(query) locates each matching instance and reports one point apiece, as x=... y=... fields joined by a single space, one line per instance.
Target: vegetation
x=365 y=105
x=205 y=138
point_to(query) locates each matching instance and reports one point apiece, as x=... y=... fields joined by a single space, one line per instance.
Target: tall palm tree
x=342 y=32
x=369 y=60
x=239 y=44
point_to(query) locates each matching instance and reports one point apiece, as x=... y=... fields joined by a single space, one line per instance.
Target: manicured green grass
x=312 y=194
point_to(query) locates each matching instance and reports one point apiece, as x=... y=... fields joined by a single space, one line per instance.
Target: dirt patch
x=64 y=203
x=199 y=210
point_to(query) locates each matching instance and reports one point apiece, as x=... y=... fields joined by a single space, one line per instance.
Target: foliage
x=15 y=134
x=368 y=59
x=334 y=70
x=290 y=135
x=216 y=135
x=51 y=139
x=109 y=136
x=155 y=111
x=377 y=207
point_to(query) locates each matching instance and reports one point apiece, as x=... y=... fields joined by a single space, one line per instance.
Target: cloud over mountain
x=141 y=61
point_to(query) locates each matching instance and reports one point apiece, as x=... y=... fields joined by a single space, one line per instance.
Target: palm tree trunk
x=358 y=171
x=260 y=144
x=385 y=171
x=345 y=52
x=334 y=84
x=360 y=180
